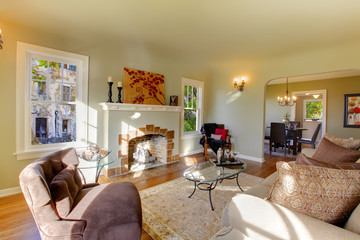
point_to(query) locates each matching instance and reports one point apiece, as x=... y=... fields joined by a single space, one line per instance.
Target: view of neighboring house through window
x=192 y=97
x=53 y=107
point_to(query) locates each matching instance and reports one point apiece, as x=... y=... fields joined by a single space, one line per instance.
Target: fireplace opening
x=147 y=151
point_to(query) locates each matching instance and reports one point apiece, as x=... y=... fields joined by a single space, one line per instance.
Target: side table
x=98 y=165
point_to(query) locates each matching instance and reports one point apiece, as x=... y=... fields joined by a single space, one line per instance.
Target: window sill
x=191 y=135
x=25 y=155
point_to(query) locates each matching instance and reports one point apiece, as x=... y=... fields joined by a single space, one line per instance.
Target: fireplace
x=127 y=125
x=147 y=151
x=146 y=147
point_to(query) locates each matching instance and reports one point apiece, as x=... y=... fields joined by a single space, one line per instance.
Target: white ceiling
x=213 y=31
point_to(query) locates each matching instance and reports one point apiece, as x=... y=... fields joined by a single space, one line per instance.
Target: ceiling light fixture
x=239 y=86
x=316 y=96
x=286 y=101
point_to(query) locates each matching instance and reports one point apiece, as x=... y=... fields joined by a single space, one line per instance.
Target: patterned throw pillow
x=330 y=152
x=323 y=193
x=344 y=142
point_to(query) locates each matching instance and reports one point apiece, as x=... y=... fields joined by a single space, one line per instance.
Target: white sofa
x=249 y=216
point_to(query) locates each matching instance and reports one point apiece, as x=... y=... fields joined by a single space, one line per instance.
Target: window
x=193 y=104
x=313 y=109
x=51 y=97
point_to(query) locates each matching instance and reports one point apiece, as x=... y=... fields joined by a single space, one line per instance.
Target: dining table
x=297 y=133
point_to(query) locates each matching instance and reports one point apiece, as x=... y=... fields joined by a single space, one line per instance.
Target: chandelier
x=286 y=101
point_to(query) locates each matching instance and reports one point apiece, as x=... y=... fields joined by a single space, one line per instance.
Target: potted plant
x=286 y=118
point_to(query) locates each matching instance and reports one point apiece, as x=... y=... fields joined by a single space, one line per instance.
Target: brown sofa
x=64 y=208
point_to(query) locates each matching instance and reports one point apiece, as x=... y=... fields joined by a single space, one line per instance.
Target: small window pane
x=69 y=73
x=54 y=92
x=190 y=120
x=55 y=71
x=194 y=102
x=38 y=69
x=38 y=92
x=185 y=96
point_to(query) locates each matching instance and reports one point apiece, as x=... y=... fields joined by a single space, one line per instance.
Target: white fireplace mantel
x=139 y=107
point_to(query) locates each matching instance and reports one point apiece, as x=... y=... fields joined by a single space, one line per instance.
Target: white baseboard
x=246 y=157
x=191 y=153
x=9 y=191
x=251 y=158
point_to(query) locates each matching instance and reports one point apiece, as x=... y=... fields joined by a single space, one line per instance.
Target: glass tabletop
x=209 y=172
x=94 y=164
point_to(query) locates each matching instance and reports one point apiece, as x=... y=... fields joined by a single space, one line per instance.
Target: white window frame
x=24 y=148
x=311 y=100
x=200 y=106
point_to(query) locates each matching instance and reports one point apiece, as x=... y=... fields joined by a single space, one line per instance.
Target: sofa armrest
x=89 y=185
x=65 y=229
x=261 y=219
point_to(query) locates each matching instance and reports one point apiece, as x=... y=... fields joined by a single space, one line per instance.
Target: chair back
x=316 y=133
x=277 y=133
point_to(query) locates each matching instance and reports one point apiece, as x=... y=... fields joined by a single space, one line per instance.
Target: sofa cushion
x=330 y=152
x=107 y=207
x=353 y=224
x=304 y=160
x=344 y=142
x=260 y=219
x=64 y=187
x=323 y=193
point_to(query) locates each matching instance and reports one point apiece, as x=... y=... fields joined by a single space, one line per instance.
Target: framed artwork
x=173 y=100
x=352 y=110
x=142 y=87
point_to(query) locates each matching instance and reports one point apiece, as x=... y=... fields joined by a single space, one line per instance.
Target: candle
x=119 y=84
x=110 y=79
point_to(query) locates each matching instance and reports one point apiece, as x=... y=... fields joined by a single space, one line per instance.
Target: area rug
x=168 y=213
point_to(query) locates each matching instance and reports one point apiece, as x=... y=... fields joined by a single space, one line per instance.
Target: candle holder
x=110 y=92
x=119 y=96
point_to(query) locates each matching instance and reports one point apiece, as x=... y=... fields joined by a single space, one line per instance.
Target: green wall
x=336 y=88
x=245 y=114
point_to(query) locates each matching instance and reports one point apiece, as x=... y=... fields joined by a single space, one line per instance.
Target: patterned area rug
x=168 y=213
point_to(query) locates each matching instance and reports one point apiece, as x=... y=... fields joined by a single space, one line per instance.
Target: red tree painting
x=142 y=87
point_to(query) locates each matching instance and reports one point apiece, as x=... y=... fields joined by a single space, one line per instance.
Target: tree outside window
x=192 y=100
x=314 y=110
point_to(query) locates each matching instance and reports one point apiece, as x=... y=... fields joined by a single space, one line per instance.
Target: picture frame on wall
x=173 y=100
x=352 y=110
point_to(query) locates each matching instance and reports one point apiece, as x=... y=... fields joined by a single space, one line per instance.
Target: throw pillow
x=327 y=194
x=216 y=137
x=302 y=159
x=222 y=132
x=64 y=187
x=344 y=142
x=330 y=152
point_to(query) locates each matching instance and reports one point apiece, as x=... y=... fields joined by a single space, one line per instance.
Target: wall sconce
x=1 y=41
x=239 y=86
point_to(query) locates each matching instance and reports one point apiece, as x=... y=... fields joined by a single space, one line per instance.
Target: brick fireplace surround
x=124 y=140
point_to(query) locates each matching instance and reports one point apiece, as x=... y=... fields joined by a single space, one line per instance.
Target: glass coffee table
x=207 y=175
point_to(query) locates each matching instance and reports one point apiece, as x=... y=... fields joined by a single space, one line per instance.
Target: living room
x=212 y=42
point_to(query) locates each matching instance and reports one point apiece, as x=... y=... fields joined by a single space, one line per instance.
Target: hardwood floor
x=16 y=221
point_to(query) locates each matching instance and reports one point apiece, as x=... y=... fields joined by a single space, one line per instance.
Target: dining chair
x=311 y=141
x=278 y=137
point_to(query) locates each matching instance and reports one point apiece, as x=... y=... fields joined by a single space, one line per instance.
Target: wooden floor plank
x=16 y=221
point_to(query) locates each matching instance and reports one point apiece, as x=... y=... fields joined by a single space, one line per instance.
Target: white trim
x=139 y=107
x=251 y=158
x=24 y=149
x=191 y=153
x=199 y=85
x=324 y=99
x=10 y=191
